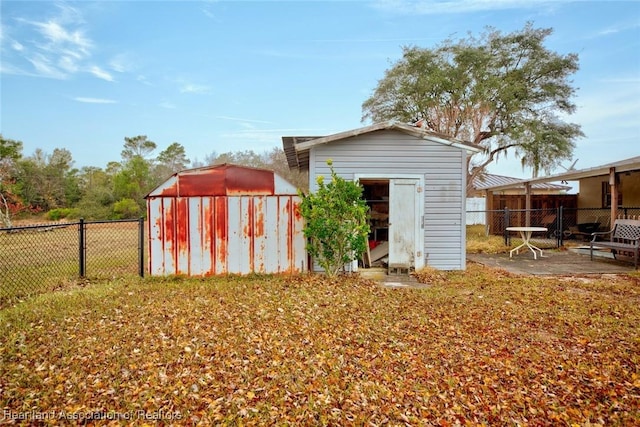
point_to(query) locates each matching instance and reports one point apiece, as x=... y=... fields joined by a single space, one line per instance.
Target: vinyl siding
x=387 y=153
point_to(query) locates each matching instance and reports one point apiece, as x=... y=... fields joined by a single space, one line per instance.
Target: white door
x=404 y=224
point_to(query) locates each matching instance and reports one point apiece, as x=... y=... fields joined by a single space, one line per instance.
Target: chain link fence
x=563 y=225
x=40 y=258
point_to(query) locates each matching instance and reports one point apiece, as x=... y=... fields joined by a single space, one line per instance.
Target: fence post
x=141 y=247
x=560 y=227
x=506 y=224
x=82 y=251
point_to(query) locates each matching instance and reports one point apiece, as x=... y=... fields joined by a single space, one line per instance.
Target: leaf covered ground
x=480 y=347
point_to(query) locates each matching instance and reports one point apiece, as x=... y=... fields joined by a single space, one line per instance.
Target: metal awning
x=632 y=164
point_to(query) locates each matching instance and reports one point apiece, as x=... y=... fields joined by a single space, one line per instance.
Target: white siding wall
x=391 y=153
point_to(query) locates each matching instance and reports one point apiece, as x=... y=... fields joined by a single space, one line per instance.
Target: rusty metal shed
x=225 y=219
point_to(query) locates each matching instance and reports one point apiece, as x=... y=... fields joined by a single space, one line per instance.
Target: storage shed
x=414 y=181
x=225 y=219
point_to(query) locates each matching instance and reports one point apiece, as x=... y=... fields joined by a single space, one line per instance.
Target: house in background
x=414 y=182
x=544 y=195
x=605 y=191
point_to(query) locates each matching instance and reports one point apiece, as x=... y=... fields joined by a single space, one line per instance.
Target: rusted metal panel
x=168 y=232
x=219 y=234
x=249 y=181
x=223 y=180
x=298 y=241
x=182 y=237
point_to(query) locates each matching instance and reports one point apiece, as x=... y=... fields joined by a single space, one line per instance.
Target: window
x=606 y=195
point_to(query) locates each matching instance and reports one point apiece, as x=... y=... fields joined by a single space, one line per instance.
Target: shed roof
x=223 y=180
x=297 y=147
x=490 y=180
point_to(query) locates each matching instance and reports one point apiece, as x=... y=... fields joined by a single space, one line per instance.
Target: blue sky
x=220 y=76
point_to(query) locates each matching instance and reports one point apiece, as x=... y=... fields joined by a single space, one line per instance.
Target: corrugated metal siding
x=200 y=236
x=225 y=219
x=223 y=180
x=390 y=153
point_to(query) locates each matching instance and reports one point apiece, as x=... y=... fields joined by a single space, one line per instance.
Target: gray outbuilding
x=414 y=182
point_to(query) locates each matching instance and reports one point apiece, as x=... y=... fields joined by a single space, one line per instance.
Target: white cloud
x=44 y=67
x=167 y=105
x=60 y=36
x=194 y=88
x=269 y=135
x=143 y=79
x=68 y=64
x=56 y=47
x=17 y=46
x=101 y=74
x=618 y=29
x=434 y=7
x=120 y=63
x=94 y=100
x=240 y=119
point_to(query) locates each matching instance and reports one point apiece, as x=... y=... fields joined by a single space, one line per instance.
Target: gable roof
x=223 y=180
x=297 y=148
x=490 y=180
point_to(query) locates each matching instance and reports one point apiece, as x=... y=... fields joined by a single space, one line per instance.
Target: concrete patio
x=555 y=262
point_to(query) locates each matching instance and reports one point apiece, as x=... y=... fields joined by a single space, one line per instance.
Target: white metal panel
x=285 y=230
x=281 y=186
x=156 y=246
x=169 y=183
x=271 y=233
x=196 y=247
x=234 y=241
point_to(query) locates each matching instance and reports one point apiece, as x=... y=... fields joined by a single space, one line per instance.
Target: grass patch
x=479 y=242
x=39 y=260
x=480 y=347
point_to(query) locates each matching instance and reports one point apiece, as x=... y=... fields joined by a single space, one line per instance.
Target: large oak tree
x=502 y=92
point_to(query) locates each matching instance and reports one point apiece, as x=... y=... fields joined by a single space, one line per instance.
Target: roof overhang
x=297 y=148
x=628 y=165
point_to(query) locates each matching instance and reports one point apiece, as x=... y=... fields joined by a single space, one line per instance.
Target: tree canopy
x=502 y=92
x=48 y=182
x=10 y=152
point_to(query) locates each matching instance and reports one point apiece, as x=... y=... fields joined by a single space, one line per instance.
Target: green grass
x=480 y=347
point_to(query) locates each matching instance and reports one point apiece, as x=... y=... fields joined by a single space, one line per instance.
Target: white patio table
x=525 y=233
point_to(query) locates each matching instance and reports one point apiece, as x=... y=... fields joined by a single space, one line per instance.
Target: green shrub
x=336 y=225
x=60 y=213
x=126 y=209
